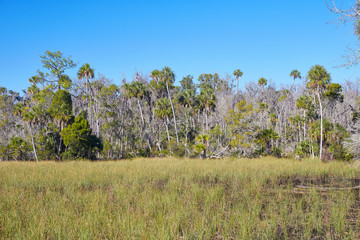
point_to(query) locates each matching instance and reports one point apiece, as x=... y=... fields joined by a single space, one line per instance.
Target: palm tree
x=27 y=116
x=319 y=79
x=163 y=111
x=295 y=74
x=266 y=137
x=207 y=101
x=187 y=100
x=167 y=75
x=202 y=145
x=88 y=73
x=262 y=82
x=138 y=90
x=238 y=74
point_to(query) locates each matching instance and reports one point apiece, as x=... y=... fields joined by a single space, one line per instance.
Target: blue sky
x=263 y=38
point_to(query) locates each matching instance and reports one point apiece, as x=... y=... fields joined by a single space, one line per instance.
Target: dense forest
x=90 y=117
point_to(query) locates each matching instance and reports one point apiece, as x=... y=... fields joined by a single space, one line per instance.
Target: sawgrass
x=173 y=198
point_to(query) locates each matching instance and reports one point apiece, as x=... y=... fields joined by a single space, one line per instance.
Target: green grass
x=178 y=199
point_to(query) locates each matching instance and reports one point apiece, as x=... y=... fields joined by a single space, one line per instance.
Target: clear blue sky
x=263 y=38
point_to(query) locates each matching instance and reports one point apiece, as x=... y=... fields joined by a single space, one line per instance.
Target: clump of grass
x=178 y=199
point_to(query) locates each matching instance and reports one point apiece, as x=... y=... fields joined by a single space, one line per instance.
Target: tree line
x=88 y=117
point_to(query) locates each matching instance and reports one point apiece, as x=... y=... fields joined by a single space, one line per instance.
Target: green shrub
x=176 y=149
x=79 y=141
x=303 y=149
x=19 y=149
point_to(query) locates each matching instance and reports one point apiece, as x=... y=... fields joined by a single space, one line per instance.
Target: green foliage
x=273 y=119
x=238 y=73
x=46 y=141
x=235 y=122
x=295 y=74
x=263 y=106
x=65 y=82
x=303 y=149
x=165 y=75
x=266 y=138
x=164 y=153
x=61 y=106
x=319 y=79
x=17 y=149
x=163 y=108
x=208 y=80
x=85 y=71
x=333 y=137
x=305 y=102
x=333 y=92
x=283 y=97
x=136 y=89
x=56 y=64
x=212 y=81
x=110 y=150
x=187 y=84
x=199 y=148
x=201 y=144
x=187 y=98
x=239 y=126
x=207 y=98
x=262 y=82
x=176 y=149
x=79 y=141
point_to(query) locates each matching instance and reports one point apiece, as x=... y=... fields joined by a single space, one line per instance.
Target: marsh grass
x=178 y=199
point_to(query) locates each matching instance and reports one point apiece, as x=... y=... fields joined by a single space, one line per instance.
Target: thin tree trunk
x=186 y=130
x=172 y=108
x=144 y=126
x=206 y=122
x=33 y=144
x=321 y=124
x=141 y=114
x=312 y=152
x=60 y=143
x=285 y=131
x=304 y=125
x=237 y=86
x=167 y=129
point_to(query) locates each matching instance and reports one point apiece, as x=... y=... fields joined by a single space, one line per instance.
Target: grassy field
x=179 y=199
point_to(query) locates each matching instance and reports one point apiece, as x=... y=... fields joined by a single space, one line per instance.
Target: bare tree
x=349 y=15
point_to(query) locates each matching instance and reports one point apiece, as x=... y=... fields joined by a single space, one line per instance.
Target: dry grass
x=178 y=199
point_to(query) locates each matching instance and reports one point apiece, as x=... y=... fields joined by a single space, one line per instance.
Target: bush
x=176 y=149
x=303 y=149
x=79 y=141
x=18 y=149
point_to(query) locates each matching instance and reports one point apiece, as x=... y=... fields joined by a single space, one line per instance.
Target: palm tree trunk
x=206 y=122
x=237 y=86
x=321 y=124
x=172 y=108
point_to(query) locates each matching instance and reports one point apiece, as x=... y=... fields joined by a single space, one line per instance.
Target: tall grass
x=178 y=199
